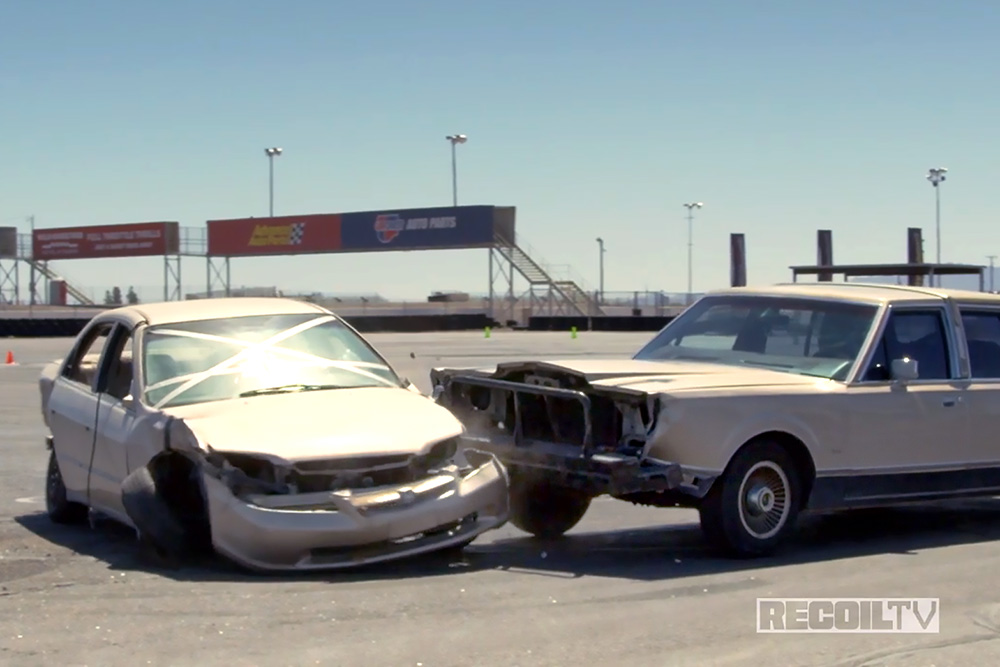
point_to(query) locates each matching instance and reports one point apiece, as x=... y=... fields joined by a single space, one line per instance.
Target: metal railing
x=648 y=302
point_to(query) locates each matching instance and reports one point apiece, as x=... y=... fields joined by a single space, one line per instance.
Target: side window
x=917 y=334
x=117 y=380
x=82 y=366
x=982 y=335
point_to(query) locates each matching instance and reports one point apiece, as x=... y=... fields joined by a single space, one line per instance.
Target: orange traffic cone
x=10 y=358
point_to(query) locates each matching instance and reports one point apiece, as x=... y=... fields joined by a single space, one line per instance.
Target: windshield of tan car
x=805 y=336
x=220 y=359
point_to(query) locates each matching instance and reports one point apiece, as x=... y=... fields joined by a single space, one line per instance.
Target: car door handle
x=952 y=402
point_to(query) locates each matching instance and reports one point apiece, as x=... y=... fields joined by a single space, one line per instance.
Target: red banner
x=137 y=239
x=287 y=235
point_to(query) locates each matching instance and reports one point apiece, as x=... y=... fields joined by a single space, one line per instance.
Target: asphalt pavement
x=628 y=586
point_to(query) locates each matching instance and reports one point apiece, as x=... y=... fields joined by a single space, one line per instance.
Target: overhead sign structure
x=136 y=239
x=368 y=231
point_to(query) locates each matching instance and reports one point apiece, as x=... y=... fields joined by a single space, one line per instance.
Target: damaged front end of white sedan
x=267 y=512
x=271 y=434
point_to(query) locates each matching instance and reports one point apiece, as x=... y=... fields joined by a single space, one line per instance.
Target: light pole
x=455 y=139
x=991 y=258
x=690 y=207
x=936 y=177
x=600 y=243
x=271 y=154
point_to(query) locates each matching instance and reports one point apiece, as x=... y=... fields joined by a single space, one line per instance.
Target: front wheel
x=753 y=506
x=542 y=508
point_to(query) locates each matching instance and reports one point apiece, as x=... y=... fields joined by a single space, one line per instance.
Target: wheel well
x=797 y=449
x=178 y=482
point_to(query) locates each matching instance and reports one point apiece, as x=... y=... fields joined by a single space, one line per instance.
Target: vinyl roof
x=863 y=292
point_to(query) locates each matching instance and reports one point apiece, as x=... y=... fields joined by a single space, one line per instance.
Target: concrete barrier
x=603 y=323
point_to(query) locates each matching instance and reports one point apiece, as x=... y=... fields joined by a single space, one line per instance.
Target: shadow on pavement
x=117 y=546
x=679 y=551
x=643 y=554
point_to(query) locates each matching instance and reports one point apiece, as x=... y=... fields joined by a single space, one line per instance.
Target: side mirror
x=905 y=369
x=128 y=402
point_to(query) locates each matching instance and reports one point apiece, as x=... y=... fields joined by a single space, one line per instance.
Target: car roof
x=859 y=292
x=173 y=312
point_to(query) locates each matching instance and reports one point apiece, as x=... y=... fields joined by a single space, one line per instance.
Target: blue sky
x=592 y=118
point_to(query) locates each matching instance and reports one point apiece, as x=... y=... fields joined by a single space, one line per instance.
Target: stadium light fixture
x=690 y=218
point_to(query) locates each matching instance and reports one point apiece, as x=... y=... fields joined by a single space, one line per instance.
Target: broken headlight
x=439 y=455
x=245 y=473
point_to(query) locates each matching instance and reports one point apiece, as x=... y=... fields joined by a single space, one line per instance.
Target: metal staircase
x=558 y=296
x=44 y=268
x=584 y=303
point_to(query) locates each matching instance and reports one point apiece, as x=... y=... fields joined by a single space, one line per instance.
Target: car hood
x=322 y=424
x=667 y=375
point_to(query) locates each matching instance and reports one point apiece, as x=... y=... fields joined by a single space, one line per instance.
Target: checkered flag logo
x=298 y=231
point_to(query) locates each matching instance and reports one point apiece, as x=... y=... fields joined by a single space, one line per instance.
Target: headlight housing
x=438 y=455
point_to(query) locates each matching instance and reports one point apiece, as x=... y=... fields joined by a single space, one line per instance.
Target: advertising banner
x=8 y=242
x=136 y=239
x=418 y=229
x=285 y=235
x=366 y=231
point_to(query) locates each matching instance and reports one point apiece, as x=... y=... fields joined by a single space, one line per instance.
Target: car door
x=115 y=417
x=72 y=409
x=981 y=326
x=900 y=429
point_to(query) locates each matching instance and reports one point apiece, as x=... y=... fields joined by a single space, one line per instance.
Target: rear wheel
x=542 y=508
x=58 y=508
x=752 y=508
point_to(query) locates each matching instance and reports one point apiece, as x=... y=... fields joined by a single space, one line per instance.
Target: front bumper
x=331 y=530
x=583 y=466
x=596 y=473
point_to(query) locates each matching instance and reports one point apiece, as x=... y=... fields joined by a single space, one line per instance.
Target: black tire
x=753 y=506
x=159 y=527
x=542 y=508
x=57 y=507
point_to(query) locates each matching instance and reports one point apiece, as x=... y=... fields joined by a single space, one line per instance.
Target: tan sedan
x=753 y=405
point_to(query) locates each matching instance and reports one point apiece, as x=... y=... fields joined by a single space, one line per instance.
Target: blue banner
x=418 y=229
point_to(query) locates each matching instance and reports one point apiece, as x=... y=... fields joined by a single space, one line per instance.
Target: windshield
x=220 y=359
x=805 y=336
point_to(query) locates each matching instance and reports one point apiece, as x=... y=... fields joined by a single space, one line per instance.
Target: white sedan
x=267 y=430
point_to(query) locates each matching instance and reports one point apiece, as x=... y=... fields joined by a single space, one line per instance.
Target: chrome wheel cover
x=764 y=502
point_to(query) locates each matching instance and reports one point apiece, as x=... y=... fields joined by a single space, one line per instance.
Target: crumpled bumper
x=328 y=530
